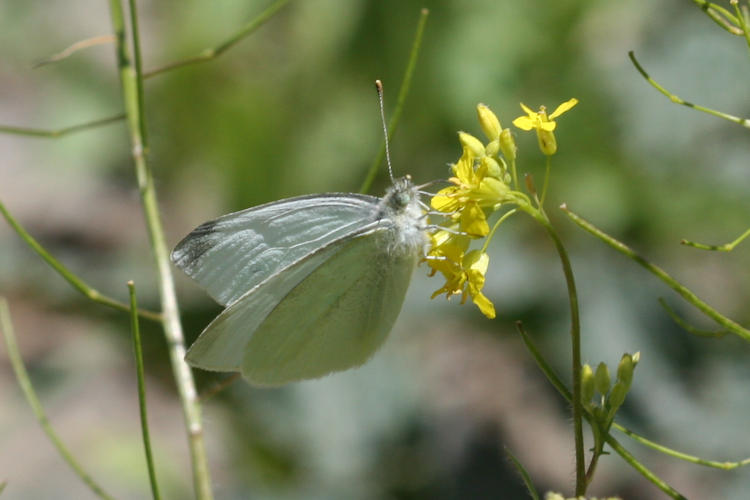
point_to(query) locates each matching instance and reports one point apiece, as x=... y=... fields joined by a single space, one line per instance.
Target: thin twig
x=525 y=477
x=726 y=247
x=214 y=52
x=24 y=381
x=678 y=100
x=642 y=469
x=675 y=285
x=79 y=45
x=129 y=76
x=203 y=56
x=60 y=132
x=720 y=16
x=680 y=455
x=68 y=275
x=689 y=328
x=402 y=94
x=138 y=351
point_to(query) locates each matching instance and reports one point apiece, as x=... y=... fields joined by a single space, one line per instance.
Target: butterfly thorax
x=401 y=209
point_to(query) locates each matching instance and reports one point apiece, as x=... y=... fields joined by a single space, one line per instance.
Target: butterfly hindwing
x=221 y=345
x=336 y=317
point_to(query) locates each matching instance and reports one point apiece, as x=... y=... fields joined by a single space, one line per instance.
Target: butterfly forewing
x=232 y=254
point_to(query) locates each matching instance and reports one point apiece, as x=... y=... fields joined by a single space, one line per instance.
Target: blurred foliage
x=291 y=110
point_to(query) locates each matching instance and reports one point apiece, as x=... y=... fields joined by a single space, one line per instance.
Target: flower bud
x=625 y=370
x=491 y=167
x=508 y=145
x=489 y=122
x=587 y=384
x=602 y=379
x=616 y=397
x=471 y=143
x=492 y=148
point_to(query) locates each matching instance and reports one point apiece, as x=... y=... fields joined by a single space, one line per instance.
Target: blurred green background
x=291 y=110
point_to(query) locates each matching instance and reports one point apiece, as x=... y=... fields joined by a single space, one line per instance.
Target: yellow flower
x=543 y=124
x=463 y=273
x=473 y=190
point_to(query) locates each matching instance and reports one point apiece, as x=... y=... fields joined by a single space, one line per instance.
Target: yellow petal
x=464 y=168
x=562 y=108
x=443 y=201
x=528 y=110
x=548 y=126
x=477 y=261
x=485 y=305
x=524 y=123
x=473 y=221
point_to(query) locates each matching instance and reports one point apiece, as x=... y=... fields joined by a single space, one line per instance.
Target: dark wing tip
x=194 y=245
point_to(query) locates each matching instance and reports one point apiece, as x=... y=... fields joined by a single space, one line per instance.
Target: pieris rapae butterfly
x=311 y=285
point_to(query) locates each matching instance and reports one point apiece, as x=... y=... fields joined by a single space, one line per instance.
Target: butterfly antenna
x=379 y=88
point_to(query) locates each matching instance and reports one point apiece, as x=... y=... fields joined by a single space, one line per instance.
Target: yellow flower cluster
x=482 y=183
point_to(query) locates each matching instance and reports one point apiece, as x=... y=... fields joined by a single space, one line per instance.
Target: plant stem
x=661 y=274
x=645 y=472
x=678 y=100
x=28 y=391
x=678 y=454
x=68 y=275
x=138 y=351
x=575 y=341
x=214 y=52
x=55 y=133
x=403 y=92
x=726 y=247
x=129 y=77
x=546 y=181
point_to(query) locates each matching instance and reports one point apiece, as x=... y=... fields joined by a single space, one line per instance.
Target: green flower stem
x=203 y=56
x=28 y=391
x=742 y=22
x=214 y=52
x=546 y=180
x=487 y=240
x=524 y=474
x=678 y=454
x=687 y=327
x=60 y=132
x=575 y=338
x=403 y=92
x=645 y=472
x=661 y=274
x=129 y=77
x=740 y=121
x=720 y=16
x=68 y=275
x=514 y=174
x=726 y=247
x=557 y=383
x=138 y=351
